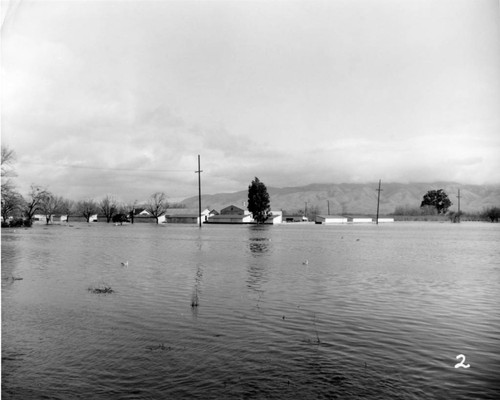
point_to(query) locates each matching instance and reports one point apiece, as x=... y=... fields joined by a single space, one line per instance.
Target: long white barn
x=330 y=219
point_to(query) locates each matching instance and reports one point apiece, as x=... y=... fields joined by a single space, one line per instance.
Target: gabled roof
x=137 y=211
x=234 y=210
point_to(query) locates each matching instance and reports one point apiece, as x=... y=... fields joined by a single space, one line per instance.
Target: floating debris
x=102 y=290
x=194 y=300
x=16 y=278
x=125 y=264
x=161 y=347
x=316 y=330
x=306 y=262
x=194 y=297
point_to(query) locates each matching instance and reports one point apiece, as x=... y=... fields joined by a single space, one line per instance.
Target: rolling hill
x=350 y=198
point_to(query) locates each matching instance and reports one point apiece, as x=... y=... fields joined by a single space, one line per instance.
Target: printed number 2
x=461 y=363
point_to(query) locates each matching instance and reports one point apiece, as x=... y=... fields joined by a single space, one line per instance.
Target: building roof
x=233 y=208
x=229 y=216
x=194 y=212
x=137 y=211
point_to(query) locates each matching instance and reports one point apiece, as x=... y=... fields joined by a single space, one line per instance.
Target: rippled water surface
x=376 y=311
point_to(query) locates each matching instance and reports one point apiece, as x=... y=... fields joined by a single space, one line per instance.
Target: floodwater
x=226 y=312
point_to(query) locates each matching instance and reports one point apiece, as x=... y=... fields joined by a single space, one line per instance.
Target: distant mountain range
x=351 y=198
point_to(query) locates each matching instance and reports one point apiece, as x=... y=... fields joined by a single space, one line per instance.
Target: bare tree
x=12 y=204
x=50 y=205
x=12 y=201
x=68 y=207
x=130 y=207
x=8 y=157
x=87 y=208
x=108 y=207
x=7 y=171
x=33 y=203
x=157 y=205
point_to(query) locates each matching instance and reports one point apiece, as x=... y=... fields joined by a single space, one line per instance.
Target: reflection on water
x=259 y=240
x=258 y=246
x=235 y=312
x=195 y=299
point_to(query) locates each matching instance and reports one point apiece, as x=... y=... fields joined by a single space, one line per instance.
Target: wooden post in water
x=378 y=198
x=199 y=189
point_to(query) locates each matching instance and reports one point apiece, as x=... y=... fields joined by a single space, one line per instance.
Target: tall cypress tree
x=258 y=201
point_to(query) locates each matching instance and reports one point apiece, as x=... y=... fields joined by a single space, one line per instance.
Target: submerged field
x=290 y=311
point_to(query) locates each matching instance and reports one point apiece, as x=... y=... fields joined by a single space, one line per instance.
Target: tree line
x=18 y=210
x=437 y=202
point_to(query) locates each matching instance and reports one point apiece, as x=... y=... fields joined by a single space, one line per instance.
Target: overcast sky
x=119 y=97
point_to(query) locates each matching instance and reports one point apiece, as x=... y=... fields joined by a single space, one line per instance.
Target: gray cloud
x=112 y=97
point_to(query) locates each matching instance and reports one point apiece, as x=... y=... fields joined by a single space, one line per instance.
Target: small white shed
x=276 y=217
x=230 y=219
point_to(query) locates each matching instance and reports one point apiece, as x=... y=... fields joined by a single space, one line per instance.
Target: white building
x=385 y=220
x=186 y=216
x=56 y=218
x=230 y=219
x=362 y=220
x=236 y=215
x=330 y=219
x=142 y=213
x=276 y=217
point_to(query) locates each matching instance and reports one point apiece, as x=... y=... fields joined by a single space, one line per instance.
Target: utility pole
x=458 y=218
x=199 y=189
x=378 y=198
x=328 y=201
x=305 y=210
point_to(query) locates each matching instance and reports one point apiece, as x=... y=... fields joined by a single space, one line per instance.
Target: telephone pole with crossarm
x=199 y=190
x=378 y=199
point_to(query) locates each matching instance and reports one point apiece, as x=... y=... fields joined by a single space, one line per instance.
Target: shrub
x=491 y=213
x=16 y=223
